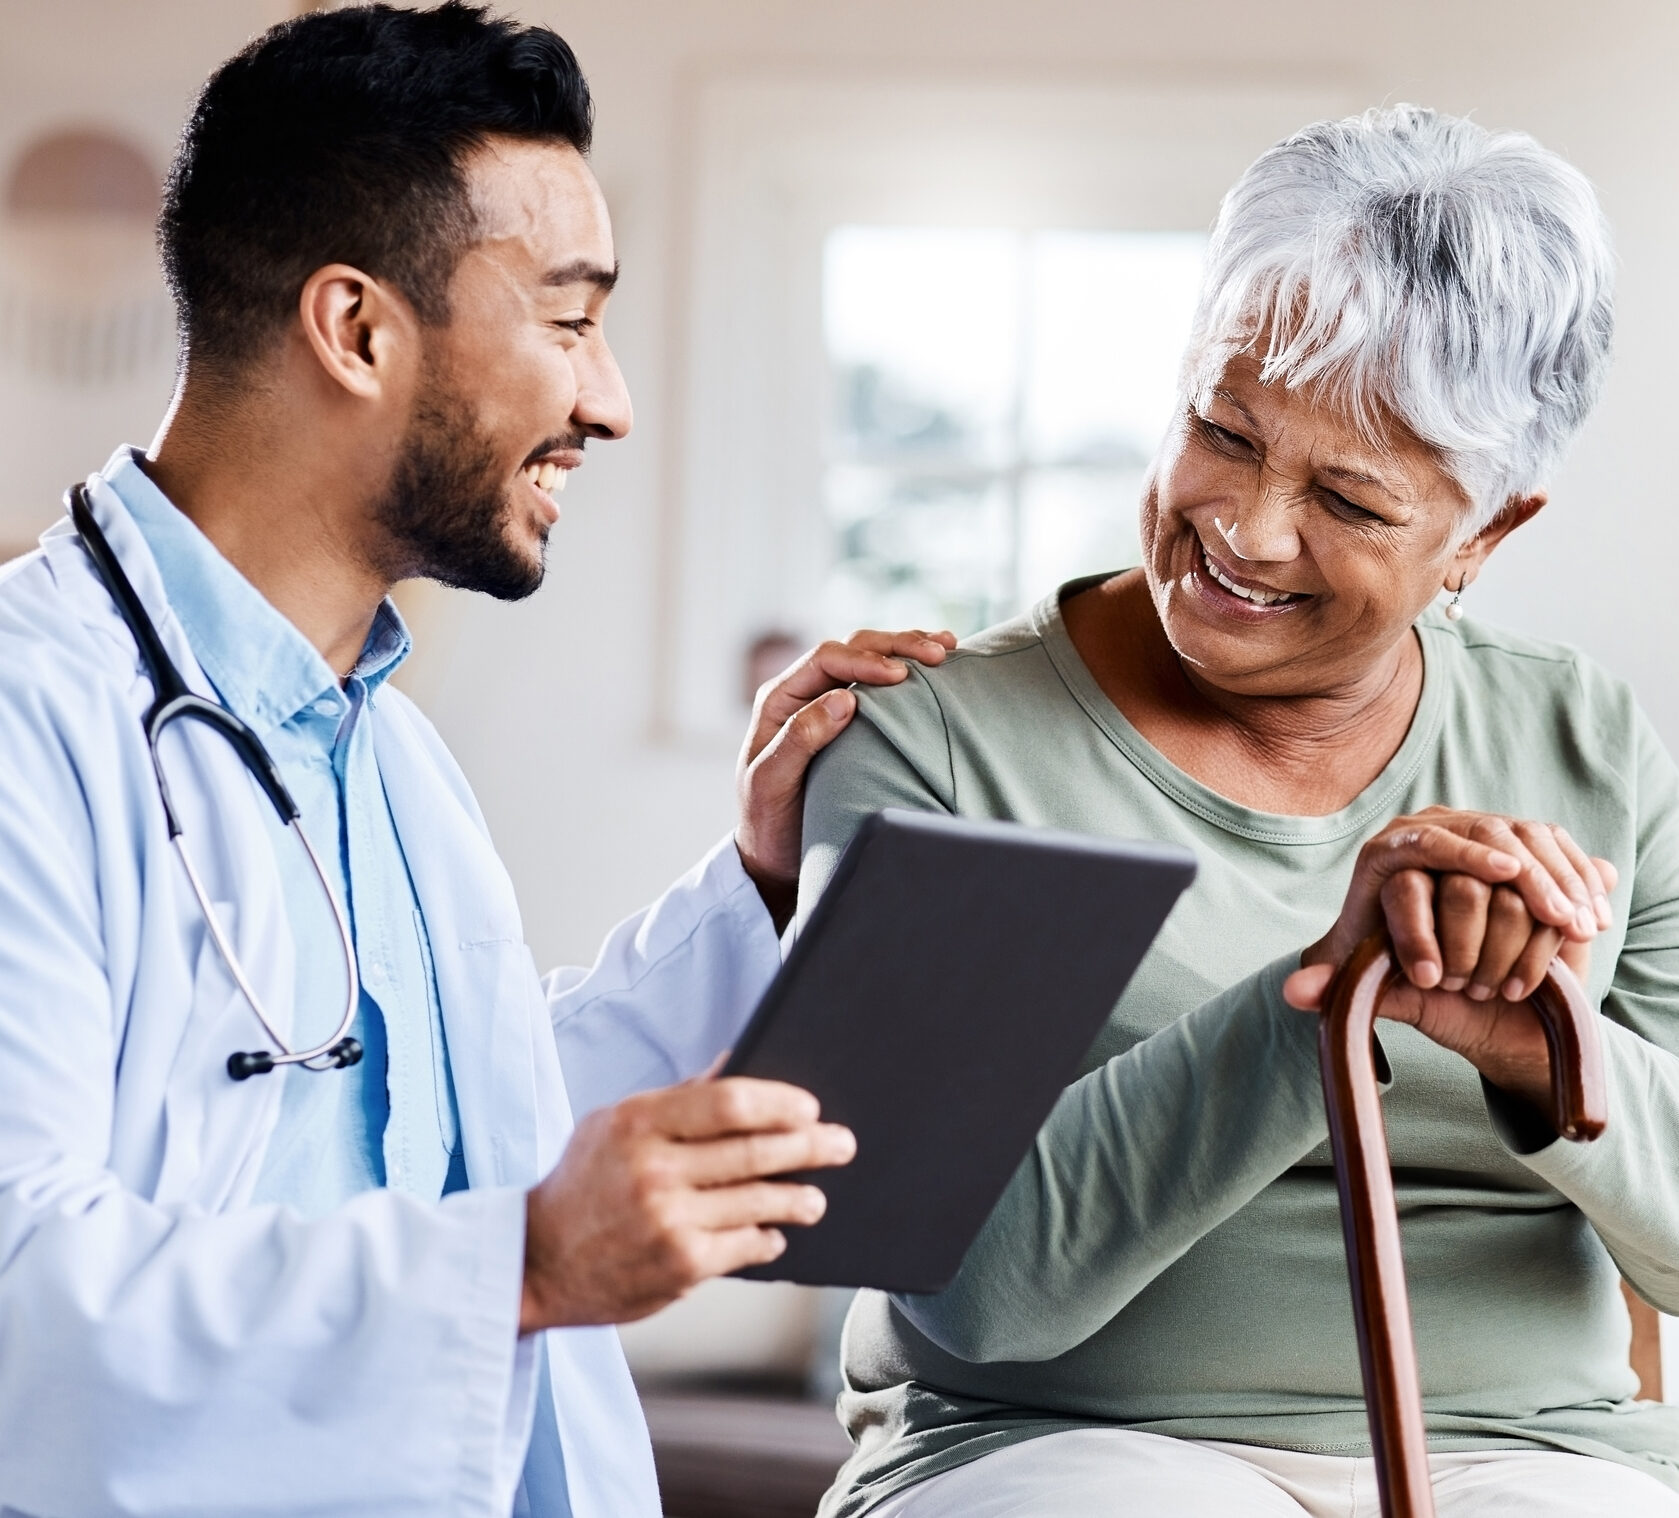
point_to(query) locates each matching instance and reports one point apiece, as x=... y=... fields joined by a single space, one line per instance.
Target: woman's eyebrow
x=1352 y=476
x=1219 y=393
x=1344 y=475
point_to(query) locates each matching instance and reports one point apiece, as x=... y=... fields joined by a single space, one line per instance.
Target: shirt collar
x=260 y=664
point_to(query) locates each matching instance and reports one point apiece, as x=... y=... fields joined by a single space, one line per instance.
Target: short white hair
x=1415 y=266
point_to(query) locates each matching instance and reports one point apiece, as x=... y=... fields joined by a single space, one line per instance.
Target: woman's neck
x=1303 y=756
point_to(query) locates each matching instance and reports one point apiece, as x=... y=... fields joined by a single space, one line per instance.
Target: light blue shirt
x=390 y=1120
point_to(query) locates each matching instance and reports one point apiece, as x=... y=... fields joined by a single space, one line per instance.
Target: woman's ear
x=363 y=334
x=1467 y=561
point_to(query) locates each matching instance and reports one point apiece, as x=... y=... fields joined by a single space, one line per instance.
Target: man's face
x=516 y=383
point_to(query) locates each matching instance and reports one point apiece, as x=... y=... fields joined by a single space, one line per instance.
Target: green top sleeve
x=864 y=771
x=1621 y=1182
x=1138 y=1160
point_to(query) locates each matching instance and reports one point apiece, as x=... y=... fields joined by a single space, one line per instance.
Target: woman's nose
x=1263 y=530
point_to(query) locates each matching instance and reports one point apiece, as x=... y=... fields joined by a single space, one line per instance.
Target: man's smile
x=547 y=473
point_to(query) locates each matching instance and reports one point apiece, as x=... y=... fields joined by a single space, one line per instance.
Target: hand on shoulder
x=796 y=716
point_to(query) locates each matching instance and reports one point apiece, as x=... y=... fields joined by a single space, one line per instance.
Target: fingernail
x=1453 y=983
x=1513 y=989
x=837 y=704
x=1561 y=904
x=813 y=1203
x=1425 y=973
x=1605 y=913
x=1586 y=921
x=1480 y=993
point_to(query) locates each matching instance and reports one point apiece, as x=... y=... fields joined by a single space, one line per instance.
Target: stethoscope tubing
x=173 y=702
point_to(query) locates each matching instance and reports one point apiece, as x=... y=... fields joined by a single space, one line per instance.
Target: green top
x=1169 y=1255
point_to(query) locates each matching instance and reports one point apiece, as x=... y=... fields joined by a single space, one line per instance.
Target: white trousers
x=1119 y=1473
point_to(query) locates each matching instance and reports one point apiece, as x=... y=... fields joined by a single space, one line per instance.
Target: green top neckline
x=1265 y=827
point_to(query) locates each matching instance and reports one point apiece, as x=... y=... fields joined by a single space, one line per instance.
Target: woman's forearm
x=1627 y=1181
x=1139 y=1159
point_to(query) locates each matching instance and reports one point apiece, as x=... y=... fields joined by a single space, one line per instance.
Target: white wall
x=550 y=705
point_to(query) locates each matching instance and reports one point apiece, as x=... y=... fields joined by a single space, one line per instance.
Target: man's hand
x=667 y=1189
x=796 y=715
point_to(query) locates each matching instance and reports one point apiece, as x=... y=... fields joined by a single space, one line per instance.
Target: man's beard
x=446 y=510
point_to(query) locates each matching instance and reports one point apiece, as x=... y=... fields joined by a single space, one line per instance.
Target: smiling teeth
x=1258 y=597
x=546 y=476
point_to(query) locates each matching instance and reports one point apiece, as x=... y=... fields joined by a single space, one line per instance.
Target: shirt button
x=326 y=707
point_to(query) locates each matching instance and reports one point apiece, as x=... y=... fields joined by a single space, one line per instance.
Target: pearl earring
x=1454 y=607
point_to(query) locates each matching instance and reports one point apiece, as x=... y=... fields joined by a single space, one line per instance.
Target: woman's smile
x=1233 y=594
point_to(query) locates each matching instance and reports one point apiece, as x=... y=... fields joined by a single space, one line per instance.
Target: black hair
x=339 y=137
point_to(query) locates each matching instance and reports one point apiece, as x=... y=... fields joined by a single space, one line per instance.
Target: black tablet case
x=938 y=1001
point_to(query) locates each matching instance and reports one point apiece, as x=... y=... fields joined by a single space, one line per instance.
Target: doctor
x=375 y=1287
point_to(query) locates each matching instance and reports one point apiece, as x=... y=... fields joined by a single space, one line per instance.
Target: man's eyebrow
x=580 y=271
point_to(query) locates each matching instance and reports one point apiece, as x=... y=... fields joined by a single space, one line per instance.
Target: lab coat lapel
x=494 y=1017
x=216 y=1129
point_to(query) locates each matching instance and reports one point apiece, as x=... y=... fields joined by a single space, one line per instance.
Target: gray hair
x=1417 y=266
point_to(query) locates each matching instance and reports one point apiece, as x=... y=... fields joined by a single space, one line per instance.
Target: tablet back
x=938 y=1001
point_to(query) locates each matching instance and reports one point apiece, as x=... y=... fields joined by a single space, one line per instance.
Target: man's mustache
x=556 y=444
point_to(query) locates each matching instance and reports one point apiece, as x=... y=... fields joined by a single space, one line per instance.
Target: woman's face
x=1285 y=555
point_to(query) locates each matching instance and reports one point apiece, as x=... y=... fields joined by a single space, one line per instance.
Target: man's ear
x=363 y=333
x=1467 y=561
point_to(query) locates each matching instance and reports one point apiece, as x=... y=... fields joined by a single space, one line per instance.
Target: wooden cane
x=1387 y=1351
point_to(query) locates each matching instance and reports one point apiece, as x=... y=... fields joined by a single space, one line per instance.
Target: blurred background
x=904 y=287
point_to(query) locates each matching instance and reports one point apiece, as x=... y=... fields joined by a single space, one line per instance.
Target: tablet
x=939 y=999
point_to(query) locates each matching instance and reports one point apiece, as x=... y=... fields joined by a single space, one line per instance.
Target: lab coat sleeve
x=671 y=988
x=163 y=1359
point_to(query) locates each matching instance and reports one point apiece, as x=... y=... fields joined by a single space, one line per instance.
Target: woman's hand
x=1473 y=932
x=1458 y=892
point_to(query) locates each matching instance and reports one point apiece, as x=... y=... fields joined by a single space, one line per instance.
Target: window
x=930 y=333
x=995 y=398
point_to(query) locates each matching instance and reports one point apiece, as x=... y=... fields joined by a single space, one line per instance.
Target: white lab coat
x=167 y=1348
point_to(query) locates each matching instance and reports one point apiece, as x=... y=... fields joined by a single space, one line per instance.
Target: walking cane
x=1387 y=1353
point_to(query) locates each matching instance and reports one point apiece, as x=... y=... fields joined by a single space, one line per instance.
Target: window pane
x=923 y=329
x=998 y=397
x=917 y=550
x=1076 y=522
x=1110 y=314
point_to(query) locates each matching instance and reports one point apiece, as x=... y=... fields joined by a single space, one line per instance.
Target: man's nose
x=603 y=406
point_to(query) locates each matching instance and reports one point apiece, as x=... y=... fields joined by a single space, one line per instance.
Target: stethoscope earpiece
x=346 y=1052
x=243 y=1066
x=343 y=1054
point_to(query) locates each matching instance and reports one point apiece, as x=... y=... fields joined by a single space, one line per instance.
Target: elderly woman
x=1405 y=320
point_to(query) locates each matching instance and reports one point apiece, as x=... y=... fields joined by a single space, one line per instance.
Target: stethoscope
x=173 y=702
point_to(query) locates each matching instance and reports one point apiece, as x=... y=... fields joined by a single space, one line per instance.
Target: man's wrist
x=779 y=894
x=536 y=1309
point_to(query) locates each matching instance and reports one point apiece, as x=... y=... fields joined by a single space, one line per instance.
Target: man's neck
x=284 y=517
